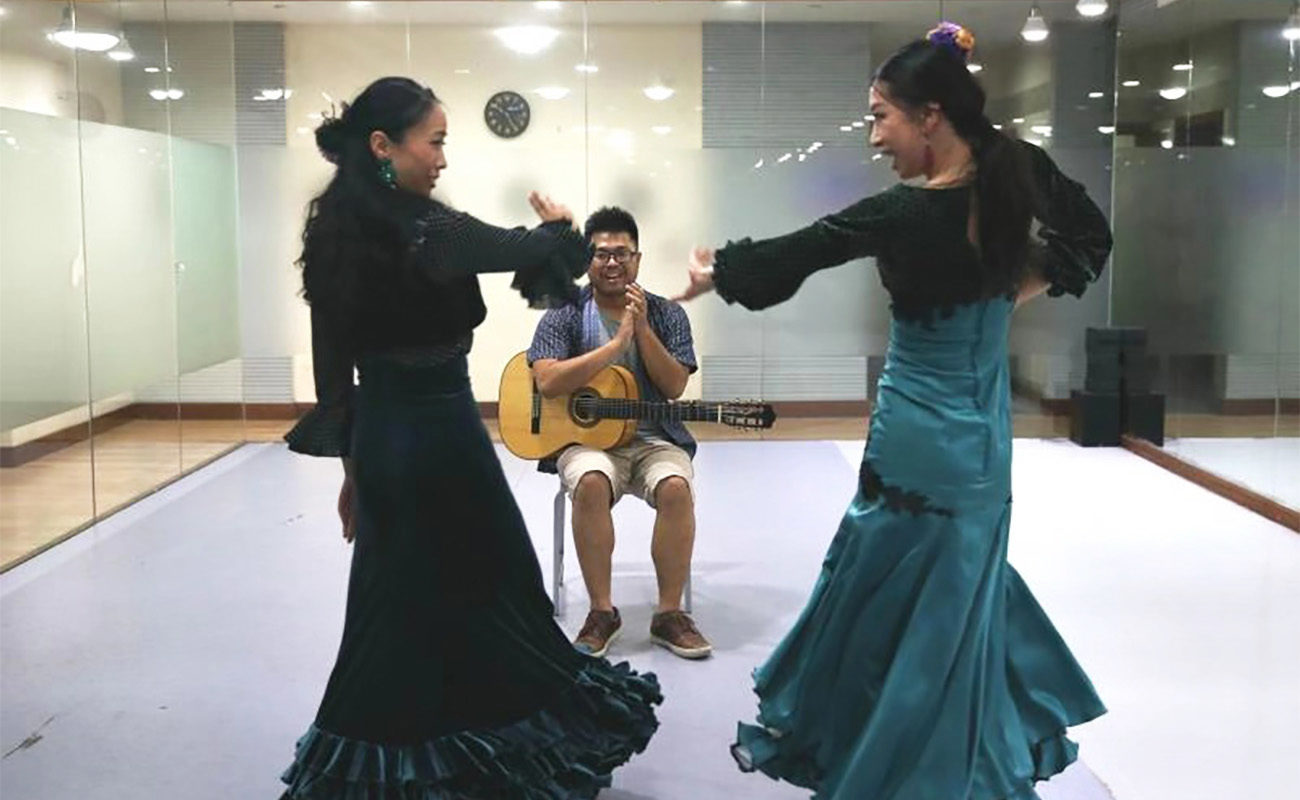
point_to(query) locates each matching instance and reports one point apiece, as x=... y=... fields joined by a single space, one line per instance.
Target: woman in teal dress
x=922 y=668
x=452 y=681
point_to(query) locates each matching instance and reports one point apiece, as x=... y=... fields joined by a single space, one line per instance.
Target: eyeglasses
x=620 y=257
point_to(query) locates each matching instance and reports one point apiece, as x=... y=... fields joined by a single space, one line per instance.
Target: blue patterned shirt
x=559 y=335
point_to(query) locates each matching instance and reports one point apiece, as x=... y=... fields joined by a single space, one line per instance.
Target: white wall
x=42 y=77
x=592 y=148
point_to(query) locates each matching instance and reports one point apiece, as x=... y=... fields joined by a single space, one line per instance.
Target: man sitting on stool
x=617 y=322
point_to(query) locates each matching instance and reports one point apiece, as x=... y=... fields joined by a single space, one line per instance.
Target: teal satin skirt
x=922 y=668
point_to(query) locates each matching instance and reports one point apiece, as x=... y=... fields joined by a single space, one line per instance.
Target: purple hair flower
x=954 y=37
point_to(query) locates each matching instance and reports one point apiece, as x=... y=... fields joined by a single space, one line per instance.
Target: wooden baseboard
x=17 y=455
x=31 y=451
x=274 y=411
x=1052 y=406
x=1260 y=407
x=1247 y=498
x=489 y=409
x=821 y=408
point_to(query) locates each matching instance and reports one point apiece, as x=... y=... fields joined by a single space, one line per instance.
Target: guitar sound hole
x=584 y=413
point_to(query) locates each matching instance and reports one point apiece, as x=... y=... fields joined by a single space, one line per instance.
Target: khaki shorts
x=637 y=467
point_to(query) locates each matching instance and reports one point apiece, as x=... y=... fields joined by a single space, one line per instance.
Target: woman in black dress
x=452 y=680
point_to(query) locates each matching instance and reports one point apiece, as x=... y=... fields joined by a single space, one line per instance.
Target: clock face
x=507 y=114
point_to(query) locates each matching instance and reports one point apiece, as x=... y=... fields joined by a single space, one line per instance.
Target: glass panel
x=46 y=479
x=200 y=50
x=127 y=202
x=1207 y=254
x=293 y=62
x=1058 y=94
x=785 y=142
x=468 y=53
x=649 y=150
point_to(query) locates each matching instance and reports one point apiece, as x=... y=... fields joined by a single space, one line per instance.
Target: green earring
x=387 y=175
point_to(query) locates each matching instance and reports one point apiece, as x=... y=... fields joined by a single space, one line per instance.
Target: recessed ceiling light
x=527 y=40
x=1091 y=8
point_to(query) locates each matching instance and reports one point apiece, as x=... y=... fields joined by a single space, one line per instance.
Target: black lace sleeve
x=326 y=430
x=546 y=259
x=764 y=273
x=1075 y=238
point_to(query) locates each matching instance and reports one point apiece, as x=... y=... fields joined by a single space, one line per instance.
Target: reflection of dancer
x=922 y=667
x=452 y=680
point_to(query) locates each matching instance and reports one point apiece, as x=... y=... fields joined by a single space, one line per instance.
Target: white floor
x=1270 y=466
x=176 y=650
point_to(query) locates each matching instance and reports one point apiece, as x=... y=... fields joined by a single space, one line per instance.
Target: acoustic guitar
x=601 y=415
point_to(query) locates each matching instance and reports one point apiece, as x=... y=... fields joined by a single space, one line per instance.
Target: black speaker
x=1117 y=390
x=1136 y=376
x=1143 y=416
x=1095 y=419
x=1103 y=341
x=1103 y=377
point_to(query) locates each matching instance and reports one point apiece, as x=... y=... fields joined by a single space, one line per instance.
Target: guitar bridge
x=535 y=423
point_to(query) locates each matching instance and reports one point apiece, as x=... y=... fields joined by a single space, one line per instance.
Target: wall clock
x=507 y=114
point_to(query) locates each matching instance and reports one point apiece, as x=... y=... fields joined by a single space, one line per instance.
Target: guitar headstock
x=748 y=415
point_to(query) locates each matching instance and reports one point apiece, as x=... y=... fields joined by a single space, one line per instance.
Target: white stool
x=557 y=567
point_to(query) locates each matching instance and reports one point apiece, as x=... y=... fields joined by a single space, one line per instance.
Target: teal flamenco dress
x=922 y=668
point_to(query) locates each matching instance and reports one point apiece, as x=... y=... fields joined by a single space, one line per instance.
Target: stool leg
x=557 y=569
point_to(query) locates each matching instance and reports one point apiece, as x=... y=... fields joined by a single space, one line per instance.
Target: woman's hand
x=1033 y=285
x=700 y=272
x=548 y=209
x=346 y=515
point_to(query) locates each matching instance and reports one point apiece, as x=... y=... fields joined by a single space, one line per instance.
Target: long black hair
x=925 y=72
x=358 y=224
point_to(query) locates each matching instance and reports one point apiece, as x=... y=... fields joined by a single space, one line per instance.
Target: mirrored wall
x=119 y=310
x=156 y=159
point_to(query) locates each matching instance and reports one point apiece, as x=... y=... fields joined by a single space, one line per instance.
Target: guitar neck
x=689 y=411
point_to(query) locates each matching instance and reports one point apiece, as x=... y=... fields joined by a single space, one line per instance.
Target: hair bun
x=954 y=37
x=331 y=136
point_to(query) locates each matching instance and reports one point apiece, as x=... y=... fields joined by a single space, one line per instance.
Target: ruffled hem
x=751 y=289
x=565 y=752
x=549 y=283
x=323 y=431
x=1052 y=755
x=759 y=749
x=722 y=273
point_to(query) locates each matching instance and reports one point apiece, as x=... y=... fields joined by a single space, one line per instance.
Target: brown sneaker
x=676 y=631
x=600 y=629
